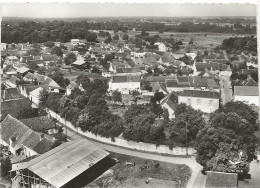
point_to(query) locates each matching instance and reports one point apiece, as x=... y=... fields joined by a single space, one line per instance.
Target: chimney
x=41 y=137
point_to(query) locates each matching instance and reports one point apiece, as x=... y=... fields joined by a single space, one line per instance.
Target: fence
x=162 y=149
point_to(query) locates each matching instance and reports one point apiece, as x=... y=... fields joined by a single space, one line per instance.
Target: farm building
x=60 y=166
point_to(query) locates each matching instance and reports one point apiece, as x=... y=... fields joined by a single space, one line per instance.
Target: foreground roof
x=65 y=162
x=221 y=179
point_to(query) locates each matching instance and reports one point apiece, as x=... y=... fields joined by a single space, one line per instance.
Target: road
x=226 y=92
x=197 y=179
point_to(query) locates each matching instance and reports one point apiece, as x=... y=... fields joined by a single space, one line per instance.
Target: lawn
x=137 y=172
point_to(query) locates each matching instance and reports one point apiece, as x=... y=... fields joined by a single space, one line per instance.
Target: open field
x=137 y=172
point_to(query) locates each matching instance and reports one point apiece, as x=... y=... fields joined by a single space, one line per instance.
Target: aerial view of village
x=129 y=96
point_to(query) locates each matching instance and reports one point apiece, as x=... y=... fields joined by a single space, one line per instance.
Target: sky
x=64 y=10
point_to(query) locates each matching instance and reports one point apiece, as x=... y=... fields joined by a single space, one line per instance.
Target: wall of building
x=206 y=105
x=29 y=152
x=170 y=111
x=125 y=87
x=248 y=99
x=162 y=149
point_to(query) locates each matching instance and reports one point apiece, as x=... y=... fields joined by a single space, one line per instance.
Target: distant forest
x=39 y=32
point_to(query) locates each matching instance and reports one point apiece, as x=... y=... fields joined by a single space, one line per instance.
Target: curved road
x=197 y=180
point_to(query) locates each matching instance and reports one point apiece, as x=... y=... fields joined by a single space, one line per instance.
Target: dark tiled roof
x=158 y=78
x=248 y=71
x=43 y=146
x=13 y=128
x=176 y=83
x=39 y=124
x=14 y=107
x=220 y=179
x=200 y=94
x=27 y=58
x=10 y=94
x=249 y=82
x=246 y=90
x=209 y=66
x=13 y=80
x=128 y=78
x=49 y=57
x=128 y=70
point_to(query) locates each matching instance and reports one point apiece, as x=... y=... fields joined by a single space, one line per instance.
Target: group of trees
x=236 y=45
x=228 y=143
x=141 y=124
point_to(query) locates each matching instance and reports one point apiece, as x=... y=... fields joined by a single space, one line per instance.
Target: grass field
x=153 y=174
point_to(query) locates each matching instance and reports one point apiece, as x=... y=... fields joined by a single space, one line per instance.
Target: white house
x=34 y=95
x=161 y=46
x=192 y=55
x=247 y=94
x=206 y=101
x=168 y=104
x=125 y=84
x=3 y=46
x=77 y=42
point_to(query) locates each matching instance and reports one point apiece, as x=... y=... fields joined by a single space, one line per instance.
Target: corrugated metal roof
x=65 y=162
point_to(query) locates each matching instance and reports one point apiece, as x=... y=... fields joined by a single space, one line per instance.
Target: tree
x=28 y=113
x=125 y=37
x=135 y=94
x=41 y=70
x=108 y=40
x=6 y=166
x=157 y=97
x=44 y=94
x=49 y=44
x=57 y=51
x=229 y=143
x=95 y=70
x=59 y=78
x=116 y=37
x=33 y=52
x=70 y=58
x=146 y=85
x=116 y=96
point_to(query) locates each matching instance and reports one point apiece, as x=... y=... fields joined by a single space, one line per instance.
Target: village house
x=20 y=139
x=206 y=101
x=12 y=82
x=42 y=124
x=125 y=84
x=213 y=67
x=161 y=46
x=73 y=85
x=169 y=104
x=247 y=94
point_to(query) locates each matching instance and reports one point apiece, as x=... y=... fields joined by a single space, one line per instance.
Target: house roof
x=10 y=94
x=211 y=65
x=206 y=71
x=221 y=179
x=158 y=78
x=249 y=82
x=39 y=124
x=128 y=70
x=14 y=107
x=26 y=58
x=200 y=94
x=176 y=83
x=168 y=101
x=13 y=80
x=158 y=85
x=11 y=128
x=22 y=70
x=246 y=90
x=43 y=146
x=128 y=78
x=248 y=71
x=49 y=57
x=9 y=68
x=65 y=162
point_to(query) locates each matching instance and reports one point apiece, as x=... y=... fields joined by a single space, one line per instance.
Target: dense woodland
x=39 y=32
